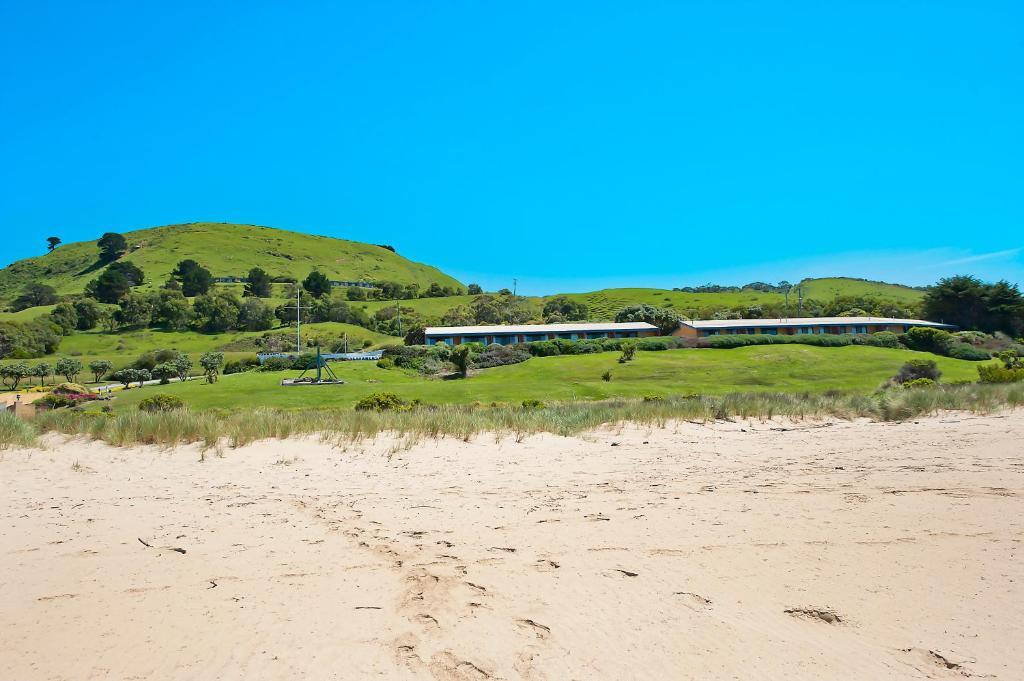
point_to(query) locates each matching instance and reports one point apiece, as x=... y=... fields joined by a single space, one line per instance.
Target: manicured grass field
x=791 y=368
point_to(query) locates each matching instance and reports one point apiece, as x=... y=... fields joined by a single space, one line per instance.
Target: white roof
x=805 y=321
x=570 y=327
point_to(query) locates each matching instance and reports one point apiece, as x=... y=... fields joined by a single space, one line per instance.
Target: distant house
x=528 y=333
x=800 y=325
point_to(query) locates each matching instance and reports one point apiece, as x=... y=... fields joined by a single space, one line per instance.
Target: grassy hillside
x=832 y=287
x=760 y=368
x=226 y=250
x=603 y=304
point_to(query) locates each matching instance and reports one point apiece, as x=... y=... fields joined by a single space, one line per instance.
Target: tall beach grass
x=239 y=427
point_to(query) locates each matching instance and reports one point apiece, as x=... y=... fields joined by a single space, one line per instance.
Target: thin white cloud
x=983 y=256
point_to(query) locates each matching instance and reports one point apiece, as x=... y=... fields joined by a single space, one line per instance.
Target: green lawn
x=791 y=368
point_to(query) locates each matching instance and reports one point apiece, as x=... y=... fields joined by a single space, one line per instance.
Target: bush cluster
x=382 y=402
x=161 y=402
x=993 y=373
x=917 y=369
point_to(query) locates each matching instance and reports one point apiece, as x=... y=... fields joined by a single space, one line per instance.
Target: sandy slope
x=704 y=552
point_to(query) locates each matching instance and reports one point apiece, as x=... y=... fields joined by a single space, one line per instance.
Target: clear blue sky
x=570 y=145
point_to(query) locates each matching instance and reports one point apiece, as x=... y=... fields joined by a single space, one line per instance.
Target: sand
x=730 y=551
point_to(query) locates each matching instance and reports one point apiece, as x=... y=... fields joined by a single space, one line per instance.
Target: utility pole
x=787 y=302
x=800 y=308
x=298 y=319
x=398 y=309
x=515 y=283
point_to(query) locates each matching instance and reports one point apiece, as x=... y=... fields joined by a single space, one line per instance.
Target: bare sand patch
x=732 y=550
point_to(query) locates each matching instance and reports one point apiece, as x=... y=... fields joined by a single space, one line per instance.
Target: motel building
x=800 y=325
x=529 y=333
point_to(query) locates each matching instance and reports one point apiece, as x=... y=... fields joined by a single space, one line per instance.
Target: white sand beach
x=739 y=550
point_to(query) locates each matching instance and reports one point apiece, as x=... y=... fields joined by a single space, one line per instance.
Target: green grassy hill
x=832 y=287
x=603 y=304
x=771 y=368
x=226 y=250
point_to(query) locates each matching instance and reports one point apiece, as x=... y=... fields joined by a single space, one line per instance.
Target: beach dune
x=734 y=550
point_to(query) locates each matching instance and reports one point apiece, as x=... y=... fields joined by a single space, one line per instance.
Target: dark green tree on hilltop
x=195 y=280
x=112 y=246
x=317 y=284
x=52 y=242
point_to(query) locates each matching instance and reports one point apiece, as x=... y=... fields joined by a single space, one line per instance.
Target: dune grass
x=215 y=429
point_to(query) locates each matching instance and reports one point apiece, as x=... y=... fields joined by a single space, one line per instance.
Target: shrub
x=276 y=364
x=968 y=352
x=500 y=355
x=973 y=337
x=883 y=339
x=55 y=401
x=607 y=375
x=919 y=383
x=532 y=404
x=161 y=402
x=918 y=368
x=238 y=366
x=653 y=398
x=649 y=344
x=993 y=373
x=543 y=349
x=385 y=363
x=927 y=339
x=70 y=389
x=628 y=352
x=382 y=402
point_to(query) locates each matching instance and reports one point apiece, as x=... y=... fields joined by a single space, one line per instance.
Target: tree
x=125 y=376
x=460 y=358
x=164 y=372
x=667 y=321
x=258 y=284
x=34 y=295
x=211 y=363
x=355 y=293
x=216 y=313
x=99 y=367
x=434 y=291
x=195 y=279
x=112 y=246
x=474 y=290
x=109 y=287
x=42 y=370
x=416 y=336
x=107 y=321
x=171 y=310
x=460 y=315
x=13 y=374
x=317 y=284
x=971 y=304
x=88 y=314
x=134 y=311
x=69 y=368
x=52 y=242
x=564 y=309
x=255 y=315
x=182 y=365
x=132 y=273
x=65 y=316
